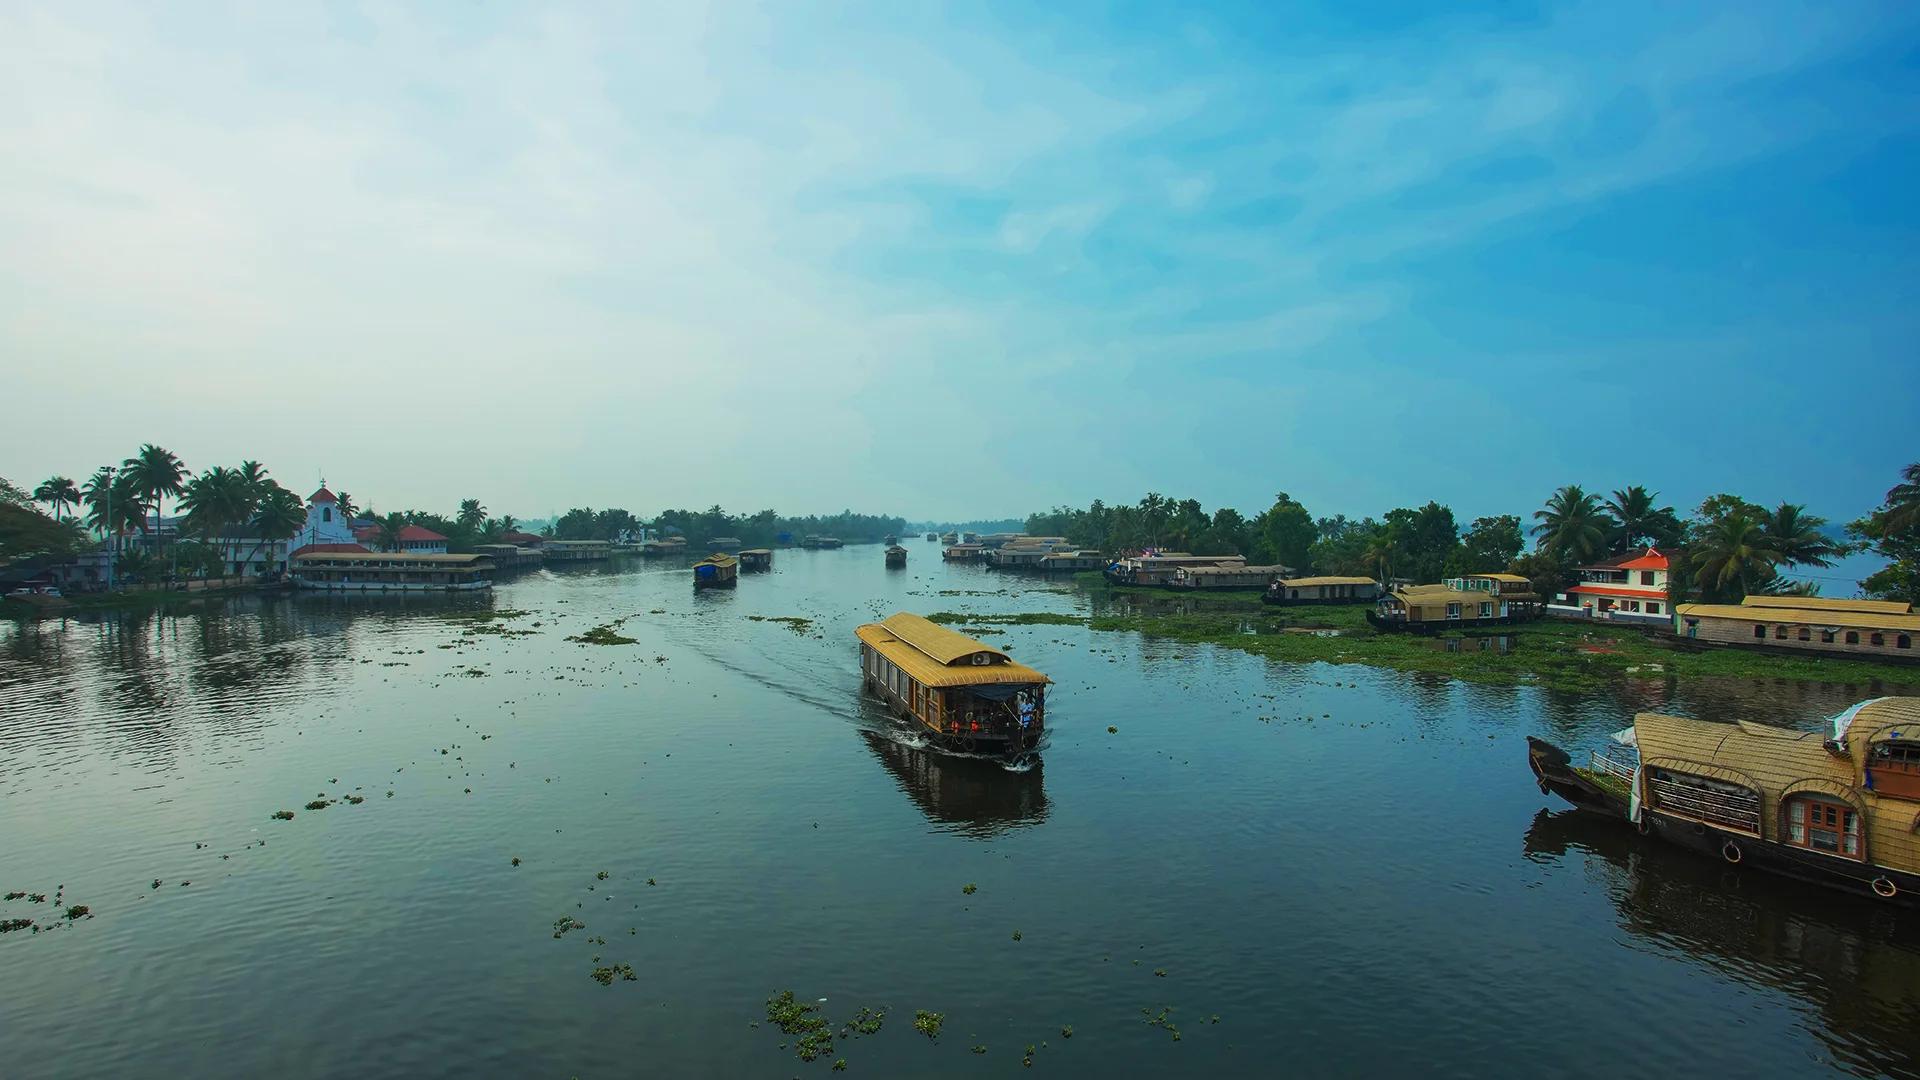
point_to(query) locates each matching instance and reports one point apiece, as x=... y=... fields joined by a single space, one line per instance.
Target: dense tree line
x=1727 y=548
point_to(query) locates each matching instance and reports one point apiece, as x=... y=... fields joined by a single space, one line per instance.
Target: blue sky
x=967 y=261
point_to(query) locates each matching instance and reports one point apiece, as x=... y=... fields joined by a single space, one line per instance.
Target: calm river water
x=1303 y=869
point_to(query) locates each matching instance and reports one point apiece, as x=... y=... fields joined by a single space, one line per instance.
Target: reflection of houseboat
x=756 y=559
x=896 y=556
x=342 y=571
x=1459 y=603
x=964 y=553
x=1322 y=590
x=976 y=798
x=718 y=570
x=1835 y=807
x=954 y=690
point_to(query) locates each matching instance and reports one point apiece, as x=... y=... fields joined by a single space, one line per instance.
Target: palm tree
x=471 y=513
x=1795 y=536
x=1381 y=553
x=216 y=500
x=1733 y=555
x=389 y=536
x=156 y=473
x=1571 y=524
x=277 y=515
x=1903 y=503
x=1639 y=521
x=1153 y=514
x=111 y=501
x=347 y=509
x=508 y=522
x=59 y=493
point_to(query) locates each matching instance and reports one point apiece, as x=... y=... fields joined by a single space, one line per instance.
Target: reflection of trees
x=1856 y=959
x=967 y=795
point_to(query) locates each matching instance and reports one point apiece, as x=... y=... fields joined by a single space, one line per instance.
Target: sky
x=966 y=262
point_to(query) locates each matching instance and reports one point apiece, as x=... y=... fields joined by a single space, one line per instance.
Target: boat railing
x=1605 y=761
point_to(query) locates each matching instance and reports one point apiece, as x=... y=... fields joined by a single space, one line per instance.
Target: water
x=1351 y=868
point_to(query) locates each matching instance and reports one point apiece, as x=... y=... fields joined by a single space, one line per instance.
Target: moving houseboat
x=756 y=559
x=723 y=543
x=344 y=571
x=1322 y=590
x=718 y=570
x=575 y=550
x=933 y=538
x=1458 y=604
x=896 y=556
x=959 y=693
x=813 y=541
x=1838 y=807
x=889 y=539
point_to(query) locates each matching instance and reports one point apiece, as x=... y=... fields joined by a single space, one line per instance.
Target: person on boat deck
x=1026 y=711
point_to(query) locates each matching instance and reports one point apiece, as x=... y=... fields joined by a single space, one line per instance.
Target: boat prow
x=1554 y=770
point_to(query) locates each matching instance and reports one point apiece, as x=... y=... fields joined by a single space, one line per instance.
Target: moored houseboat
x=960 y=694
x=964 y=553
x=1159 y=567
x=667 y=545
x=1322 y=590
x=1227 y=577
x=890 y=539
x=1459 y=603
x=1071 y=562
x=344 y=571
x=756 y=559
x=556 y=551
x=933 y=538
x=1837 y=807
x=718 y=570
x=950 y=538
x=896 y=556
x=507 y=557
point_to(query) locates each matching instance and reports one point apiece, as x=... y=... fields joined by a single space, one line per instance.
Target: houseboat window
x=1780 y=633
x=1453 y=611
x=1806 y=634
x=1853 y=637
x=1826 y=636
x=1760 y=630
x=1702 y=798
x=1898 y=755
x=1486 y=611
x=1903 y=642
x=1877 y=639
x=1819 y=825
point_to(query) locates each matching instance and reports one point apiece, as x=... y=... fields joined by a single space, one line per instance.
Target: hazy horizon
x=966 y=264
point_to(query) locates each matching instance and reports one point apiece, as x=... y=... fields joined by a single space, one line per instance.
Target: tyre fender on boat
x=1884 y=888
x=969 y=744
x=1730 y=851
x=1645 y=824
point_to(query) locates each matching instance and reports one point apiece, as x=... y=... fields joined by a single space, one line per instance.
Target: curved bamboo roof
x=938 y=657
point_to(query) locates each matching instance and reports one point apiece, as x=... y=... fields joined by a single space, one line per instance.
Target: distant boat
x=933 y=538
x=756 y=559
x=896 y=556
x=889 y=539
x=717 y=571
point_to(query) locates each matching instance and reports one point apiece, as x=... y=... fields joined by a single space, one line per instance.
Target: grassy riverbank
x=1563 y=655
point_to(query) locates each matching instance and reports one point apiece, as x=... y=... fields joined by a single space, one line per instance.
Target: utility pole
x=109 y=524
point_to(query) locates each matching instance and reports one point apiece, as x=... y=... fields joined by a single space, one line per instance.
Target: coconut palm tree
x=157 y=474
x=1734 y=555
x=1639 y=521
x=1572 y=523
x=471 y=513
x=1153 y=515
x=1380 y=555
x=1903 y=503
x=112 y=502
x=508 y=523
x=59 y=493
x=214 y=501
x=347 y=509
x=1796 y=537
x=389 y=535
x=277 y=515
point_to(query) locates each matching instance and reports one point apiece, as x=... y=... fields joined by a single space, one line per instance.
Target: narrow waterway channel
x=1222 y=865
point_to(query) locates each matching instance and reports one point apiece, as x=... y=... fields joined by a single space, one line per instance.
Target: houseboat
x=964 y=553
x=813 y=541
x=950 y=538
x=756 y=559
x=960 y=694
x=1460 y=603
x=933 y=538
x=716 y=571
x=365 y=571
x=1322 y=590
x=669 y=545
x=889 y=539
x=1157 y=567
x=509 y=557
x=1876 y=629
x=896 y=556
x=1227 y=577
x=723 y=543
x=556 y=551
x=1072 y=562
x=1836 y=806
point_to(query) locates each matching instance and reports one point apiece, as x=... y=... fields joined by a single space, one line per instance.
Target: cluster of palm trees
x=223 y=507
x=1730 y=549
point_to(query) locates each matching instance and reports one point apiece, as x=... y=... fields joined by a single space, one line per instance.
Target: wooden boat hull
x=986 y=742
x=1554 y=771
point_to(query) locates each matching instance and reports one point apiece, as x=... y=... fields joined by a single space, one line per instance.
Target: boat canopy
x=935 y=656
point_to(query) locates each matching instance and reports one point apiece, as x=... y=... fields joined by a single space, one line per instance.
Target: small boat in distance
x=950 y=538
x=889 y=539
x=896 y=556
x=1833 y=807
x=958 y=693
x=756 y=559
x=933 y=538
x=716 y=571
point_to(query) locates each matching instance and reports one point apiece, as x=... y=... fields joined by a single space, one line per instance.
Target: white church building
x=327 y=529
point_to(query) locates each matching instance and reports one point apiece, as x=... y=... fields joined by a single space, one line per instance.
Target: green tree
x=1571 y=524
x=277 y=514
x=216 y=500
x=1489 y=546
x=1902 y=508
x=1733 y=557
x=346 y=507
x=390 y=527
x=472 y=514
x=157 y=474
x=1284 y=534
x=59 y=493
x=1797 y=537
x=1638 y=522
x=1893 y=532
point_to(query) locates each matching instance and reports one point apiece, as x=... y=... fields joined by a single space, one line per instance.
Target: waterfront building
x=1630 y=588
x=1880 y=629
x=392 y=571
x=326 y=529
x=420 y=540
x=1322 y=590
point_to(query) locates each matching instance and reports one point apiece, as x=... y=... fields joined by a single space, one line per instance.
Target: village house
x=1880 y=629
x=1630 y=588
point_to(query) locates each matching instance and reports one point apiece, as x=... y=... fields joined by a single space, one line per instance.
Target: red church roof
x=417 y=534
x=322 y=496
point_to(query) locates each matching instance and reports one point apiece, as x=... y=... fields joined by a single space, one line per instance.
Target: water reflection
x=965 y=795
x=1853 y=959
x=1493 y=643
